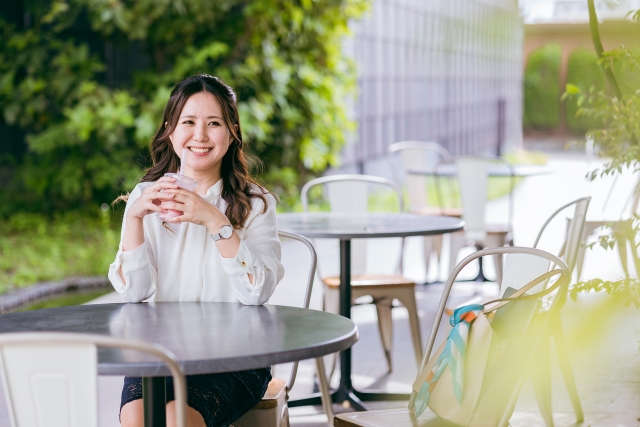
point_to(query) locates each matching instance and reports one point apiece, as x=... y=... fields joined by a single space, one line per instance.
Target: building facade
x=447 y=71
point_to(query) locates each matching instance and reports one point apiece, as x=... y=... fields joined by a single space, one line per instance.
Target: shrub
x=542 y=88
x=584 y=72
x=36 y=248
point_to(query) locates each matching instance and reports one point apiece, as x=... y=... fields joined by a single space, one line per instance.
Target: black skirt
x=219 y=398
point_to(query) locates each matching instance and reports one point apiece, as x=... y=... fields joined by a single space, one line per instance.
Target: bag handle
x=517 y=295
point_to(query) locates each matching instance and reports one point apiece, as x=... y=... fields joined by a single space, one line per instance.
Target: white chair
x=526 y=272
x=629 y=208
x=569 y=254
x=522 y=268
x=570 y=250
x=350 y=194
x=421 y=155
x=472 y=175
x=272 y=410
x=50 y=378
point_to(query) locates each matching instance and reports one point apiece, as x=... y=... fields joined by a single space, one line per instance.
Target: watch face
x=226 y=231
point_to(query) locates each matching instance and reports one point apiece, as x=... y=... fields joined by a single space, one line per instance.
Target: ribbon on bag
x=452 y=356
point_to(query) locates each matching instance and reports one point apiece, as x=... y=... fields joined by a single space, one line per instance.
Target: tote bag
x=474 y=378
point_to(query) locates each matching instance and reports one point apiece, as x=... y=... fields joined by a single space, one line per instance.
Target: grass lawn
x=66 y=299
x=34 y=248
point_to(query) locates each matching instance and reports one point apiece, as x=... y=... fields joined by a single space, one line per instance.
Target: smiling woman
x=222 y=246
x=202 y=130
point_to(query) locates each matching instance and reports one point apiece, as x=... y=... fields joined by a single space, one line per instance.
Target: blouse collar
x=213 y=193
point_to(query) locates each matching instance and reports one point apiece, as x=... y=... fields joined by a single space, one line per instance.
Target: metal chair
x=523 y=267
x=406 y=417
x=421 y=155
x=50 y=378
x=569 y=254
x=349 y=194
x=272 y=410
x=472 y=180
x=626 y=211
x=415 y=156
x=572 y=244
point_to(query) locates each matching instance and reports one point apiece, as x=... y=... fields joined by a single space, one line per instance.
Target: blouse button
x=244 y=264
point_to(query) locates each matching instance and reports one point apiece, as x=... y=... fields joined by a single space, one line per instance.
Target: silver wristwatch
x=225 y=232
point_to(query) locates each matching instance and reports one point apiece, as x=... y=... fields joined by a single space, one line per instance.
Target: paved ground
x=603 y=335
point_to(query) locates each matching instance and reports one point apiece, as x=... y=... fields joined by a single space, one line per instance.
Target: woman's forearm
x=229 y=248
x=133 y=235
x=132 y=238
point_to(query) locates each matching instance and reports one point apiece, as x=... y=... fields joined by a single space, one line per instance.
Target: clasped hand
x=164 y=194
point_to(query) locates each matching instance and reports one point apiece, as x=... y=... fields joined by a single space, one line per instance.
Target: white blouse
x=184 y=264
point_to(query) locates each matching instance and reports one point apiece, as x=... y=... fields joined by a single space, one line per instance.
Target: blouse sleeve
x=138 y=268
x=258 y=255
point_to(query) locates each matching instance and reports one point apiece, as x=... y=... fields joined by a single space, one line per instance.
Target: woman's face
x=202 y=131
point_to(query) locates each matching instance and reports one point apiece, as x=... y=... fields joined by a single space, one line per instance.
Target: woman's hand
x=198 y=211
x=151 y=197
x=195 y=209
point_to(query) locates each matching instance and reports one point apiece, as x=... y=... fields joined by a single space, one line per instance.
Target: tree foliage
x=623 y=237
x=542 y=88
x=617 y=140
x=87 y=141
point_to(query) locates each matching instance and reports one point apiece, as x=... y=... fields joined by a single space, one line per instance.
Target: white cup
x=182 y=181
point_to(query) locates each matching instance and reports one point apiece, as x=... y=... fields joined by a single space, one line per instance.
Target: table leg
x=154 y=401
x=345 y=391
x=480 y=277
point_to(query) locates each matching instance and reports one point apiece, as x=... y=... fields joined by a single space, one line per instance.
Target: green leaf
x=572 y=89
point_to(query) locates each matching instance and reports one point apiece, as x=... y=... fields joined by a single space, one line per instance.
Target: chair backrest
x=416 y=155
x=472 y=175
x=350 y=194
x=573 y=237
x=50 y=378
x=622 y=199
x=520 y=269
x=512 y=250
x=309 y=288
x=634 y=199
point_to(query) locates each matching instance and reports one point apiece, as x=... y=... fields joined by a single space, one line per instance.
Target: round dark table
x=345 y=227
x=205 y=337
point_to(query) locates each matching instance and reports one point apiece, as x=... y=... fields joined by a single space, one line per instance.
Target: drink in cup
x=182 y=181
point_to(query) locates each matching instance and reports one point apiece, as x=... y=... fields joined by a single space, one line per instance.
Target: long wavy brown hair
x=238 y=188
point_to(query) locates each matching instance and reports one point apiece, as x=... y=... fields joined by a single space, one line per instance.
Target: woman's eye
x=214 y=123
x=187 y=122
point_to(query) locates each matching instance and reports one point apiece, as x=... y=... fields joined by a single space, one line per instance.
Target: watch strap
x=218 y=235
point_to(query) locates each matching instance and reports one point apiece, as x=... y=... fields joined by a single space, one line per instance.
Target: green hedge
x=584 y=72
x=542 y=88
x=627 y=70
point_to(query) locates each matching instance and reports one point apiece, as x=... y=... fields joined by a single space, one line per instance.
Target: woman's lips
x=199 y=151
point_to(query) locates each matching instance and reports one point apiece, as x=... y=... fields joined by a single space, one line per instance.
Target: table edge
x=372 y=234
x=197 y=367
